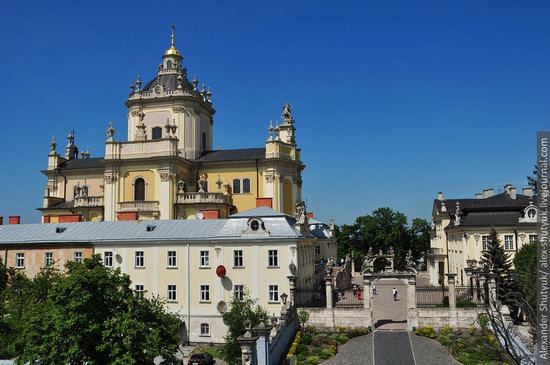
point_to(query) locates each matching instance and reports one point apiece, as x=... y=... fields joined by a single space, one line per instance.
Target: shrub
x=301 y=357
x=306 y=339
x=302 y=349
x=426 y=331
x=357 y=331
x=303 y=316
x=311 y=330
x=445 y=302
x=341 y=329
x=465 y=303
x=313 y=360
x=342 y=339
x=447 y=330
x=483 y=320
x=212 y=350
x=444 y=340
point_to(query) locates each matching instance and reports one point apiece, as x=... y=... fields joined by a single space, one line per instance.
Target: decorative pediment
x=530 y=214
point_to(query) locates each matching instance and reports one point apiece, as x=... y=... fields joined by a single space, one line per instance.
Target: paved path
x=392 y=348
x=388 y=314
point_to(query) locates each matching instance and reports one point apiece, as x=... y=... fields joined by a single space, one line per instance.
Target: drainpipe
x=58 y=169
x=188 y=296
x=257 y=180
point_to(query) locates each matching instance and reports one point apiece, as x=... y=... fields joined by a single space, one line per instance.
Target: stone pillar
x=482 y=279
x=328 y=289
x=166 y=194
x=262 y=345
x=352 y=268
x=452 y=294
x=292 y=288
x=248 y=348
x=411 y=293
x=366 y=292
x=493 y=295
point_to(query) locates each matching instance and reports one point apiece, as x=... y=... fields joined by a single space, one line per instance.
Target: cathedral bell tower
x=170 y=98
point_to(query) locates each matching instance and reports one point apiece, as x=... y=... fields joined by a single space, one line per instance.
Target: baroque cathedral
x=167 y=169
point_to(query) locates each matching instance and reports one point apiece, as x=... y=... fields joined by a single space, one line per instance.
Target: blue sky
x=393 y=100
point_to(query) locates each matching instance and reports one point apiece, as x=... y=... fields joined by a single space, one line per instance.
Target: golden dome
x=172 y=51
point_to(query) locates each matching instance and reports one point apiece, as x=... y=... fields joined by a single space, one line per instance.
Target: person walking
x=374 y=289
x=359 y=293
x=394 y=292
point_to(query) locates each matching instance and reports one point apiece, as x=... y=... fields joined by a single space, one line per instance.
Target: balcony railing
x=88 y=201
x=204 y=198
x=142 y=206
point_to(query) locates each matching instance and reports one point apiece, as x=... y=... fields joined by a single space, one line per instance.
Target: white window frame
x=273 y=293
x=204 y=293
x=204 y=259
x=20 y=260
x=108 y=258
x=172 y=260
x=485 y=241
x=48 y=259
x=238 y=291
x=273 y=258
x=171 y=293
x=205 y=330
x=238 y=258
x=78 y=256
x=139 y=289
x=508 y=245
x=249 y=186
x=139 y=260
x=533 y=238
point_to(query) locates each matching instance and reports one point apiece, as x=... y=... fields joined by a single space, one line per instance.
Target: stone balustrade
x=88 y=201
x=141 y=149
x=141 y=206
x=203 y=198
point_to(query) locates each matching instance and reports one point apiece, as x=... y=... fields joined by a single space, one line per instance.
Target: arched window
x=139 y=189
x=246 y=186
x=157 y=133
x=203 y=141
x=168 y=64
x=236 y=186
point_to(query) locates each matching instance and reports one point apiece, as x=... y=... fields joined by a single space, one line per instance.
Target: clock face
x=531 y=213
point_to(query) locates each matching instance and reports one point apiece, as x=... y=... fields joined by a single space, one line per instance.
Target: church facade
x=167 y=168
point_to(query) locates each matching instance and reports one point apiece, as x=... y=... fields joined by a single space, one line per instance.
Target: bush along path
x=312 y=346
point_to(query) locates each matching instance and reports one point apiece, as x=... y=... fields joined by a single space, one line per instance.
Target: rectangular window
x=78 y=256
x=317 y=249
x=205 y=259
x=205 y=293
x=532 y=238
x=140 y=289
x=140 y=259
x=485 y=243
x=205 y=329
x=238 y=258
x=509 y=242
x=172 y=293
x=273 y=258
x=108 y=259
x=48 y=259
x=172 y=260
x=238 y=291
x=274 y=293
x=20 y=260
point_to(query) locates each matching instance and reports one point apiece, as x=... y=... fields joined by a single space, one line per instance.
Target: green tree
x=420 y=238
x=495 y=257
x=525 y=263
x=532 y=180
x=241 y=313
x=91 y=315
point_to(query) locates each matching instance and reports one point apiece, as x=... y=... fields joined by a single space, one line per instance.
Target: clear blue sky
x=393 y=100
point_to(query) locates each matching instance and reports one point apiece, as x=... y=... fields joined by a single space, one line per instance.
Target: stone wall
x=440 y=317
x=337 y=317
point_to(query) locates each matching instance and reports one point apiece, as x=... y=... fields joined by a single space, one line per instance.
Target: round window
x=531 y=213
x=254 y=225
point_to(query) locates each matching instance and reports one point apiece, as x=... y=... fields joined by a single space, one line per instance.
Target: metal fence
x=468 y=296
x=432 y=296
x=310 y=298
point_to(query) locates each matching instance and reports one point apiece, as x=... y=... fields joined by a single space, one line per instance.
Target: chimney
x=487 y=193
x=1 y=220
x=14 y=219
x=507 y=188
x=479 y=195
x=440 y=196
x=512 y=193
x=528 y=191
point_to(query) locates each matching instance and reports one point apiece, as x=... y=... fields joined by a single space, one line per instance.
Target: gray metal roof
x=260 y=212
x=136 y=231
x=233 y=155
x=83 y=163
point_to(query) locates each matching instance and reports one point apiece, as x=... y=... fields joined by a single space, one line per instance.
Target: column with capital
x=167 y=194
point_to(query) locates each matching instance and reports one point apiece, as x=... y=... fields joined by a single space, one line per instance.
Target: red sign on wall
x=220 y=271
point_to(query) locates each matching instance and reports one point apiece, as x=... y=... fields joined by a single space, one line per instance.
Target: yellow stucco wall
x=130 y=176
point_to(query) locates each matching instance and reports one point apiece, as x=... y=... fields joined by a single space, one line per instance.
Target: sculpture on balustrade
x=202 y=182
x=301 y=217
x=181 y=186
x=110 y=132
x=53 y=145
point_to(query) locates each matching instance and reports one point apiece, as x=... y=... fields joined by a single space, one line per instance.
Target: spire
x=172 y=51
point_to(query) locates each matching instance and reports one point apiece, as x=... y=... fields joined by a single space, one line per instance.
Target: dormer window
x=256 y=225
